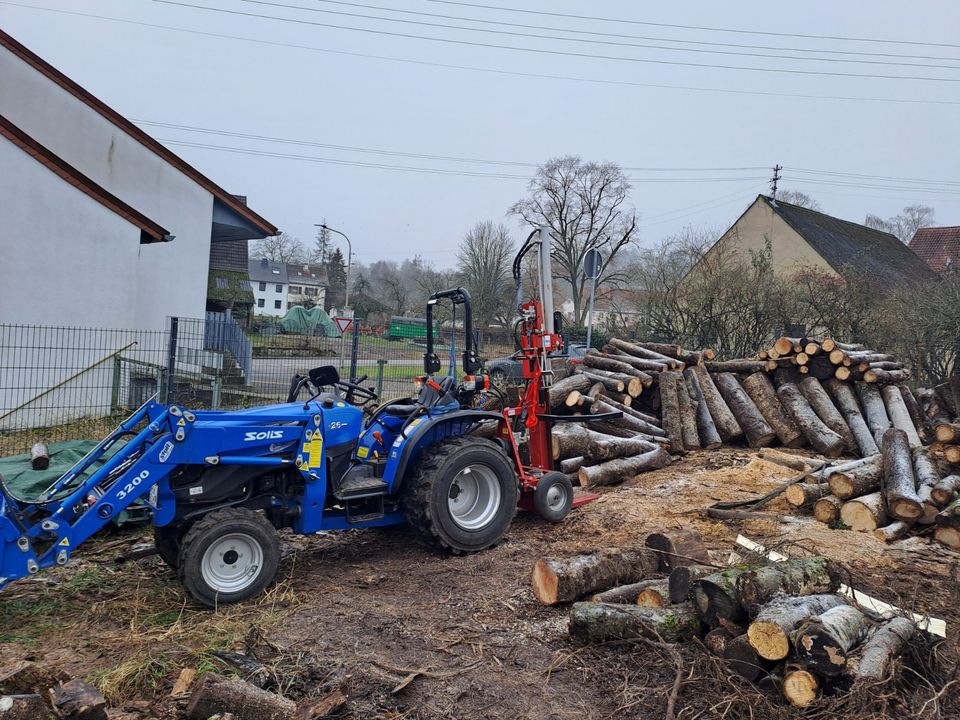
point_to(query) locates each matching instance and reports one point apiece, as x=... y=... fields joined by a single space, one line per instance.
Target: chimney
x=264 y=262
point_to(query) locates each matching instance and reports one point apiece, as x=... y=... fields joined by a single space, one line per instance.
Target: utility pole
x=774 y=181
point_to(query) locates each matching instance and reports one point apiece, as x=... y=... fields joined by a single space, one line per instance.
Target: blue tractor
x=221 y=484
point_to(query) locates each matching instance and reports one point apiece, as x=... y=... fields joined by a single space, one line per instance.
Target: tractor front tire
x=229 y=555
x=462 y=495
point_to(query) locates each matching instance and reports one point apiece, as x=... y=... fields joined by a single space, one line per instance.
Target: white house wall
x=170 y=279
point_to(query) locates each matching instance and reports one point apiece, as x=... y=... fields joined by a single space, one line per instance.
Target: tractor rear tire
x=553 y=496
x=167 y=541
x=462 y=495
x=229 y=555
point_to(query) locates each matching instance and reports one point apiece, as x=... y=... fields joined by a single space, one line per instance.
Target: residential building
x=268 y=280
x=938 y=247
x=801 y=238
x=123 y=227
x=307 y=285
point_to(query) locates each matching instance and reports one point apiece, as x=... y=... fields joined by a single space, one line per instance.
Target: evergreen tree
x=336 y=280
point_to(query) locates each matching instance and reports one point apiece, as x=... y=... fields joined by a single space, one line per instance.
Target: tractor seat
x=429 y=397
x=401 y=409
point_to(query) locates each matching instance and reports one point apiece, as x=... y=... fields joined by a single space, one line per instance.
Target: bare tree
x=800 y=199
x=483 y=260
x=282 y=248
x=584 y=205
x=905 y=224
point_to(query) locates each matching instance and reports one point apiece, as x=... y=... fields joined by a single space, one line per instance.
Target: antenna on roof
x=774 y=181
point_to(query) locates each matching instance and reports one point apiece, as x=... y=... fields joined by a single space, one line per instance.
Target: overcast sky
x=474 y=117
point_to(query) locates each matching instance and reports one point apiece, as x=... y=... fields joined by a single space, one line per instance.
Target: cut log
x=603 y=622
x=805 y=496
x=827 y=509
x=78 y=700
x=678 y=547
x=643 y=364
x=882 y=648
x=632 y=385
x=893 y=531
x=951 y=453
x=886 y=377
x=846 y=401
x=688 y=414
x=655 y=595
x=847 y=484
x=770 y=632
x=607 y=405
x=670 y=411
x=899 y=415
x=23 y=707
x=865 y=514
x=925 y=469
x=800 y=687
x=706 y=429
x=784 y=345
x=559 y=391
x=571 y=465
x=727 y=427
x=736 y=366
x=39 y=457
x=828 y=345
x=948 y=535
x=899 y=482
x=800 y=576
x=742 y=658
x=558 y=580
x=761 y=391
x=675 y=351
x=943 y=492
x=717 y=598
x=216 y=694
x=629 y=593
x=614 y=471
x=947 y=433
x=874 y=410
x=682 y=579
x=642 y=352
x=823 y=642
x=607 y=363
x=748 y=415
x=787 y=460
x=610 y=382
x=916 y=412
x=629 y=421
x=820 y=437
x=716 y=640
x=825 y=409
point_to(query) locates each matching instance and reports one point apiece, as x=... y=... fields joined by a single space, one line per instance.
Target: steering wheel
x=355 y=388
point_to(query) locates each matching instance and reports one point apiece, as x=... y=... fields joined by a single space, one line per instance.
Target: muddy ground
x=407 y=633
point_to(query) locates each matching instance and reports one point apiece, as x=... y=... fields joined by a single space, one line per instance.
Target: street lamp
x=324 y=226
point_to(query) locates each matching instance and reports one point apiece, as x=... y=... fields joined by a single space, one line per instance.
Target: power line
x=872 y=177
x=596 y=33
x=447 y=26
x=627 y=21
x=563 y=53
x=473 y=68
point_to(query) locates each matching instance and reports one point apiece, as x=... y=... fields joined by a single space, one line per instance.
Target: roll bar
x=471 y=361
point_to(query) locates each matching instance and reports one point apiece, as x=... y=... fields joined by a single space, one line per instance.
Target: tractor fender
x=407 y=449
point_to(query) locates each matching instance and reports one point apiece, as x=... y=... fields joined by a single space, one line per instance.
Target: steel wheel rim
x=232 y=563
x=474 y=497
x=556 y=496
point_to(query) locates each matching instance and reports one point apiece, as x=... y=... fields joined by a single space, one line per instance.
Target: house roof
x=263 y=270
x=149 y=230
x=850 y=248
x=938 y=247
x=307 y=274
x=135 y=132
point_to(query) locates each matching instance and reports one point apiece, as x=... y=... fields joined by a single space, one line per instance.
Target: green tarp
x=301 y=321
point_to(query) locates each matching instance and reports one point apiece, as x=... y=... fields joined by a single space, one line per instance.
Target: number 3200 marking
x=130 y=486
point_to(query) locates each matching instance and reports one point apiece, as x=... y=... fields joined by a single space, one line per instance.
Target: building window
x=311 y=291
x=276 y=304
x=223 y=284
x=263 y=287
x=260 y=302
x=279 y=287
x=295 y=290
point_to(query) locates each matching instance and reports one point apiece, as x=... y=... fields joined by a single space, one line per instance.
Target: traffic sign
x=592 y=264
x=343 y=323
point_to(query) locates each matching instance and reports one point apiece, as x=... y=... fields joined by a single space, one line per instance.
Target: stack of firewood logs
x=783 y=626
x=829 y=358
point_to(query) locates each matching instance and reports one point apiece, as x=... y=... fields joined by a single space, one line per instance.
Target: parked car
x=507 y=370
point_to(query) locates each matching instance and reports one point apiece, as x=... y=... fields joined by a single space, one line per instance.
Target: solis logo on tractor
x=265 y=435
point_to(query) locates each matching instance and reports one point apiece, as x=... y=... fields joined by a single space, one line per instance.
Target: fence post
x=354 y=348
x=172 y=357
x=381 y=363
x=217 y=390
x=115 y=393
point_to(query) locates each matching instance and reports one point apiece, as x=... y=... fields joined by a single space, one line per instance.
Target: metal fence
x=66 y=383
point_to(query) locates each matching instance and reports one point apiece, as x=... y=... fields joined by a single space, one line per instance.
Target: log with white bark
x=916 y=413
x=727 y=426
x=614 y=471
x=886 y=377
x=670 y=411
x=716 y=596
x=608 y=363
x=761 y=391
x=898 y=413
x=894 y=531
x=800 y=576
x=651 y=420
x=644 y=364
x=216 y=695
x=800 y=463
x=559 y=391
x=611 y=384
x=748 y=415
x=869 y=356
x=630 y=592
x=633 y=420
x=39 y=457
x=879 y=651
x=823 y=406
x=677 y=547
x=688 y=414
x=874 y=410
x=821 y=438
x=928 y=477
x=706 y=428
x=642 y=352
x=805 y=496
x=827 y=509
x=692 y=357
x=557 y=580
x=846 y=401
x=770 y=632
x=574 y=440
x=854 y=482
x=736 y=366
x=944 y=491
x=571 y=465
x=864 y=514
x=603 y=622
x=800 y=687
x=899 y=482
x=823 y=642
x=682 y=579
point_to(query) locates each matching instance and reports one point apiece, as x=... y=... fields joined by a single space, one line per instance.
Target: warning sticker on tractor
x=316 y=446
x=64 y=543
x=363 y=452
